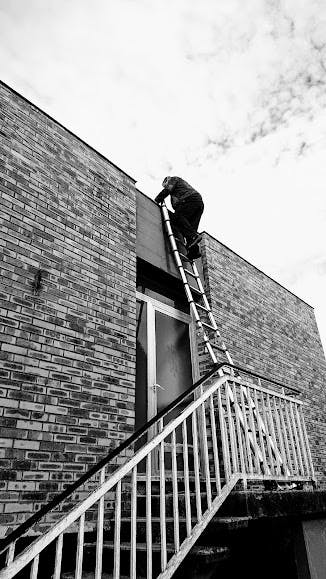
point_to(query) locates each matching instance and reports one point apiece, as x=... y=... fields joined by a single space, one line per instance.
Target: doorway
x=166 y=364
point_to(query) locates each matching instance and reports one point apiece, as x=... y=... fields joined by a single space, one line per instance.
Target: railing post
x=80 y=547
x=239 y=436
x=294 y=453
x=162 y=503
x=117 y=531
x=283 y=465
x=205 y=457
x=246 y=432
x=305 y=435
x=260 y=433
x=58 y=557
x=285 y=436
x=133 y=514
x=225 y=446
x=175 y=493
x=296 y=438
x=214 y=443
x=273 y=436
x=186 y=477
x=149 y=515
x=196 y=464
x=231 y=430
x=100 y=522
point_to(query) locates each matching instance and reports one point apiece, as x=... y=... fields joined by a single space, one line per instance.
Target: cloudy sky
x=226 y=93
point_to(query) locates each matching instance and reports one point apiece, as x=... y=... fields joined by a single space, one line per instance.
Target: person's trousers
x=186 y=217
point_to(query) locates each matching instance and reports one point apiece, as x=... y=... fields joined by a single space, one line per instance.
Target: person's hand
x=158 y=201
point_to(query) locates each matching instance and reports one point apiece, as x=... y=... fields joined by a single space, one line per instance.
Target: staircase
x=144 y=507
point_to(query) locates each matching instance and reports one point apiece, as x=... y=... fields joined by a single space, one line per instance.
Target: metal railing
x=230 y=430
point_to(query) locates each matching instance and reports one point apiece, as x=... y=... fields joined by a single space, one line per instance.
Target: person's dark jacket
x=181 y=191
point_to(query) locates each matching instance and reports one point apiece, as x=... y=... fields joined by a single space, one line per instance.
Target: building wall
x=270 y=331
x=68 y=350
x=152 y=244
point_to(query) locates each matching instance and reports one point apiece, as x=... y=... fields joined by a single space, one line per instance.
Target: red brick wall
x=68 y=352
x=269 y=330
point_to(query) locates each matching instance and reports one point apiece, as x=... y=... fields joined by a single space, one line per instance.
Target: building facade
x=96 y=333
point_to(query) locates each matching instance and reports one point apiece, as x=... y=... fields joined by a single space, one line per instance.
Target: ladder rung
x=216 y=347
x=209 y=326
x=190 y=272
x=202 y=308
x=185 y=257
x=196 y=290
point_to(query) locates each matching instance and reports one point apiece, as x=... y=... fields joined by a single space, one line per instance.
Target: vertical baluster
x=175 y=494
x=285 y=437
x=196 y=464
x=280 y=438
x=231 y=430
x=34 y=569
x=10 y=553
x=267 y=435
x=224 y=438
x=294 y=454
x=133 y=523
x=273 y=436
x=100 y=523
x=301 y=440
x=205 y=457
x=162 y=503
x=215 y=448
x=117 y=531
x=238 y=429
x=296 y=438
x=305 y=435
x=186 y=476
x=80 y=547
x=252 y=427
x=58 y=557
x=149 y=515
x=246 y=431
x=260 y=433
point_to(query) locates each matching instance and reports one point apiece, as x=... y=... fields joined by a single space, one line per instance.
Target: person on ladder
x=188 y=208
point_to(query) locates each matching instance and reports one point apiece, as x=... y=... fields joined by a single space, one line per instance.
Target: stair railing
x=204 y=450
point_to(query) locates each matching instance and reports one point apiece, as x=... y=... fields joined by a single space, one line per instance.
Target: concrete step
x=218 y=527
x=203 y=555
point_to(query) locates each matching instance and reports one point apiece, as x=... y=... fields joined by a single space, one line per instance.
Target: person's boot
x=194 y=240
x=193 y=253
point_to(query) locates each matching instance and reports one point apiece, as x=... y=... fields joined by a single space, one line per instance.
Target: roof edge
x=65 y=128
x=260 y=270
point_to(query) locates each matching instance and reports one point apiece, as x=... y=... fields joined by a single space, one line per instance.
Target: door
x=165 y=362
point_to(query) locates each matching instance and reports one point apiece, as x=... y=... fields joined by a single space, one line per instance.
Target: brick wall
x=269 y=330
x=68 y=350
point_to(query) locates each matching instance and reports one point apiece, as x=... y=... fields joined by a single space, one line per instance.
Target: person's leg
x=187 y=217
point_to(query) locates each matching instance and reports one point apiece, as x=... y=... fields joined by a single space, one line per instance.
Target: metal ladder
x=201 y=309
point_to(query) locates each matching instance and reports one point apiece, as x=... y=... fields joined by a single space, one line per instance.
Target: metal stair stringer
x=190 y=541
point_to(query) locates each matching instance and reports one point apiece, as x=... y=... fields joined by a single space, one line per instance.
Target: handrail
x=26 y=525
x=261 y=377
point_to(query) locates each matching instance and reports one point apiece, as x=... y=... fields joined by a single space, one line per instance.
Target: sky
x=230 y=95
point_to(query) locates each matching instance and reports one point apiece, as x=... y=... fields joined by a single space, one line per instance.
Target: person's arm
x=161 y=196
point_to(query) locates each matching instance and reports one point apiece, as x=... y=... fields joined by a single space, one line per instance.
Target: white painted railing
x=230 y=430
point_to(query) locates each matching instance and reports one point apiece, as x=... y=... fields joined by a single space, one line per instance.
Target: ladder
x=206 y=323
